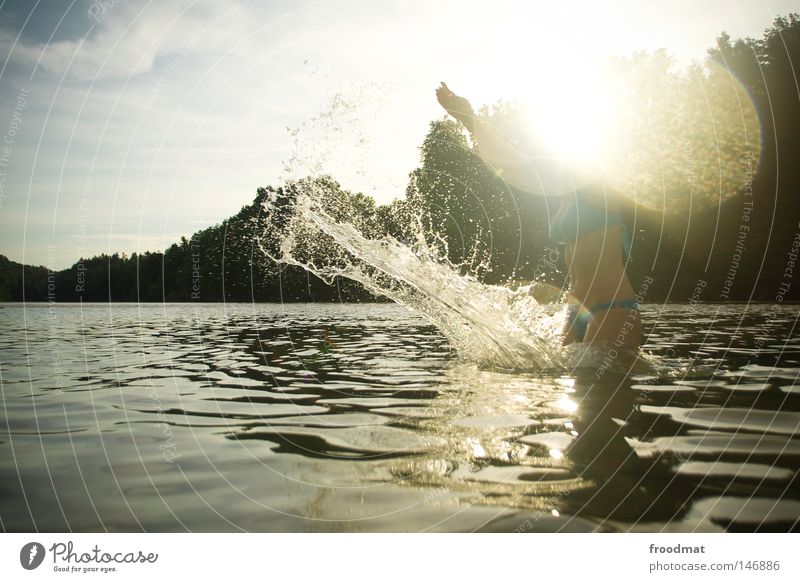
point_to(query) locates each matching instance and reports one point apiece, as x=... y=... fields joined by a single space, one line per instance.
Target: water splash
x=487 y=324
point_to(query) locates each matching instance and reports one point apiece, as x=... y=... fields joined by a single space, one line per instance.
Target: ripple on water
x=245 y=410
x=761 y=371
x=368 y=441
x=748 y=512
x=738 y=470
x=776 y=422
x=498 y=421
x=716 y=445
x=668 y=388
x=511 y=475
x=549 y=440
x=410 y=411
x=371 y=402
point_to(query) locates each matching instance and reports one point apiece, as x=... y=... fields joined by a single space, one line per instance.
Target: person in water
x=602 y=302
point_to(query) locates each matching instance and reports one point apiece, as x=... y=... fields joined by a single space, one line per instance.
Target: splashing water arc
x=486 y=324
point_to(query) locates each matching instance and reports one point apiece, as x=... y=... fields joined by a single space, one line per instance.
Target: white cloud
x=129 y=37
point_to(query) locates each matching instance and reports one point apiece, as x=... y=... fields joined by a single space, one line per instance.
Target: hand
x=457 y=106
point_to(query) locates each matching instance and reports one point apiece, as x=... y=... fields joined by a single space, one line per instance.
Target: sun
x=575 y=110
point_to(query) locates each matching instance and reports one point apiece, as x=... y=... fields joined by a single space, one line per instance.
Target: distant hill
x=12 y=275
x=219 y=263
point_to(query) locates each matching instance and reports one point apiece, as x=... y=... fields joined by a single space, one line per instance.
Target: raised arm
x=521 y=169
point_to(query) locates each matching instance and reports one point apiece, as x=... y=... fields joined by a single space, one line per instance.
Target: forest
x=490 y=229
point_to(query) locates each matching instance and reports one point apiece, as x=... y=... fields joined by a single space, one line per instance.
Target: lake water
x=314 y=417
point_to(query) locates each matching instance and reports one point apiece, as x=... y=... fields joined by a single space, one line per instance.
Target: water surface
x=315 y=417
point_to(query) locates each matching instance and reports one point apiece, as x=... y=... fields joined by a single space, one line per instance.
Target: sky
x=125 y=124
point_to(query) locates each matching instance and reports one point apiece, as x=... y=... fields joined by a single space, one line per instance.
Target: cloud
x=128 y=38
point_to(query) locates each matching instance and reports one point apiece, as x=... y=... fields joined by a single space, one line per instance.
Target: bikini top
x=579 y=217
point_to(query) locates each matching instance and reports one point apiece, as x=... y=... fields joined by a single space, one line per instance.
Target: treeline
x=219 y=263
x=492 y=230
x=746 y=248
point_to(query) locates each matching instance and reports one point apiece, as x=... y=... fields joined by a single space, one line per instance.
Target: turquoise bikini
x=580 y=217
x=570 y=223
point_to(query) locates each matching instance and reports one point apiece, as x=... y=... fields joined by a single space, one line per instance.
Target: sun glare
x=670 y=138
x=575 y=112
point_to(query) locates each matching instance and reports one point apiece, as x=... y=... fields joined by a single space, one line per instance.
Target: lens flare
x=671 y=140
x=693 y=139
